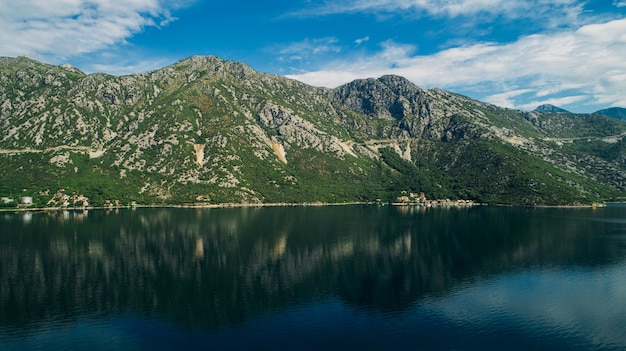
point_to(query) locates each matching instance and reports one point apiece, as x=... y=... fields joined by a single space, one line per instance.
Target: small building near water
x=26 y=200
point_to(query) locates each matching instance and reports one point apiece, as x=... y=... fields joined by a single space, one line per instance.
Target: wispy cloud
x=128 y=65
x=589 y=61
x=568 y=10
x=505 y=99
x=65 y=28
x=308 y=48
x=361 y=40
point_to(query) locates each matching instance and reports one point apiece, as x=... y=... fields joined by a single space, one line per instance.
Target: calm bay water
x=314 y=278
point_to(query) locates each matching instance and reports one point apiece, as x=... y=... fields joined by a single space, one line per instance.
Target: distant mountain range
x=206 y=131
x=614 y=112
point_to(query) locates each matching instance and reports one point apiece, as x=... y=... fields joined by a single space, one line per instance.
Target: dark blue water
x=332 y=278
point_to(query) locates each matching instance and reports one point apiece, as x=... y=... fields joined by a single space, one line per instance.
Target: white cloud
x=560 y=102
x=361 y=40
x=308 y=48
x=505 y=99
x=619 y=3
x=68 y=28
x=551 y=12
x=589 y=61
x=128 y=65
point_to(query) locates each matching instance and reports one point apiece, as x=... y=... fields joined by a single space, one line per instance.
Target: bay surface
x=313 y=278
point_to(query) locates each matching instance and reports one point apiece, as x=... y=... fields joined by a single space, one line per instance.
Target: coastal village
x=59 y=199
x=410 y=198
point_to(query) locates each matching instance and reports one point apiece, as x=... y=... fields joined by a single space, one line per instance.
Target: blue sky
x=517 y=54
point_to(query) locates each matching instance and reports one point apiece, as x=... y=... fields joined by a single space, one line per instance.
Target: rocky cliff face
x=210 y=130
x=397 y=100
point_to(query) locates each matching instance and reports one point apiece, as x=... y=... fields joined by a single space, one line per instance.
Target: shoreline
x=190 y=205
x=288 y=204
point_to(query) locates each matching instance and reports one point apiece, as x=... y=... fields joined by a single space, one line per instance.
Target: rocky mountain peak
x=388 y=97
x=401 y=86
x=416 y=111
x=215 y=66
x=550 y=109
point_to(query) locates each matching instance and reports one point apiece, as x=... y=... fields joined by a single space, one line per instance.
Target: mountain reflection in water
x=210 y=268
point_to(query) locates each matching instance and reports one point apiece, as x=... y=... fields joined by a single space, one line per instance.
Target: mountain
x=614 y=112
x=205 y=130
x=550 y=109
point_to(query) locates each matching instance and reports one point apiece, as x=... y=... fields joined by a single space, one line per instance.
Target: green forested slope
x=212 y=131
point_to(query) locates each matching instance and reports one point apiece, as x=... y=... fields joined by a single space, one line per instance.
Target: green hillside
x=211 y=131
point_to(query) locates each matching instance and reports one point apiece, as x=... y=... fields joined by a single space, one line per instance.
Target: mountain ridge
x=614 y=112
x=550 y=109
x=213 y=131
